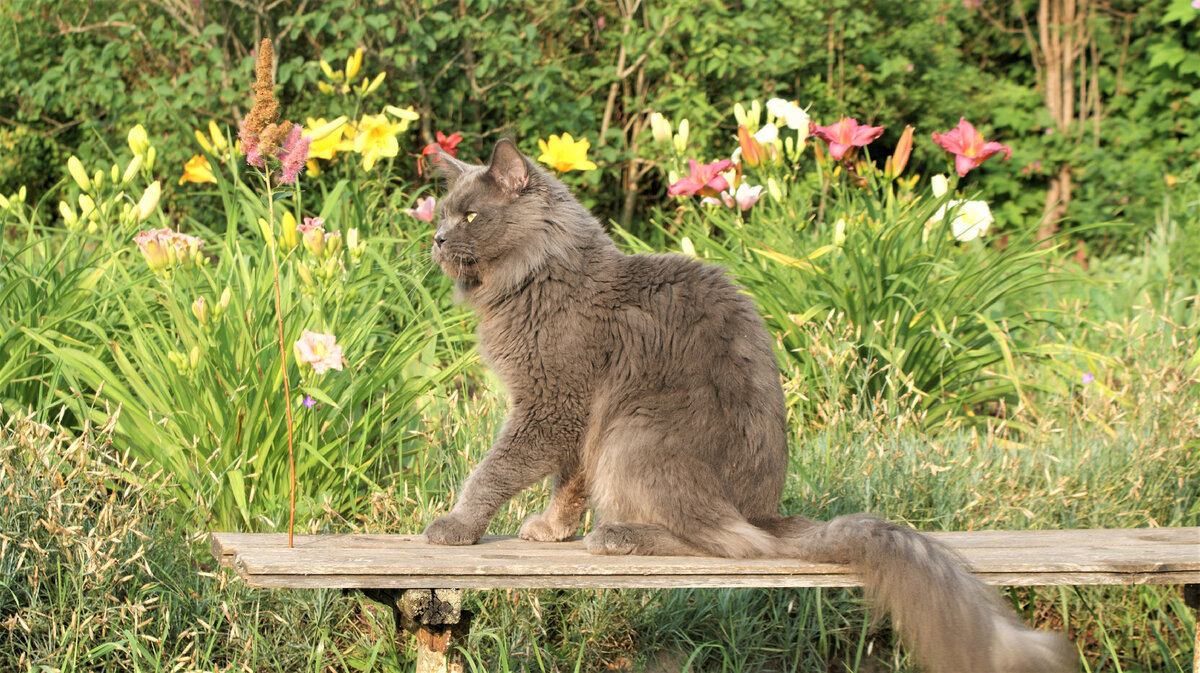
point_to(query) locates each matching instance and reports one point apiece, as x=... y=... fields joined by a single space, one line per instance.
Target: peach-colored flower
x=319 y=350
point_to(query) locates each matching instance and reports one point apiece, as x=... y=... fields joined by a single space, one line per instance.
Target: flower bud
x=78 y=174
x=328 y=70
x=200 y=310
x=151 y=153
x=138 y=140
x=98 y=178
x=68 y=215
x=218 y=137
x=4 y=203
x=352 y=239
x=115 y=174
x=87 y=207
x=264 y=228
x=353 y=63
x=194 y=356
x=132 y=169
x=223 y=302
x=305 y=275
x=375 y=83
x=685 y=245
x=839 y=232
x=291 y=237
x=774 y=190
x=333 y=243
x=324 y=88
x=682 y=137
x=660 y=128
x=149 y=200
x=203 y=141
x=314 y=240
x=939 y=184
x=21 y=194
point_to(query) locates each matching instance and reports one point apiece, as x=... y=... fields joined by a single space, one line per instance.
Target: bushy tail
x=948 y=618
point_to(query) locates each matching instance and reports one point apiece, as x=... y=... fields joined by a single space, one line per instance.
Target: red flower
x=449 y=145
x=968 y=146
x=845 y=134
x=705 y=179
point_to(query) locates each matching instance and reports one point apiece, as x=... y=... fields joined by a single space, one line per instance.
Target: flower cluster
x=104 y=196
x=262 y=135
x=165 y=249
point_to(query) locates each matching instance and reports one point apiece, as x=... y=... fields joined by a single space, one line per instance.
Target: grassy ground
x=100 y=570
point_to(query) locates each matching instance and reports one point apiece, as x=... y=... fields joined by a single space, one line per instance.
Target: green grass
x=107 y=573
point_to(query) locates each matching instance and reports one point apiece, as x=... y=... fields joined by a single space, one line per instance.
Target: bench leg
x=436 y=618
x=1191 y=596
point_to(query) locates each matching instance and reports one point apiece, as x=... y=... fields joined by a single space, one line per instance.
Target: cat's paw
x=608 y=540
x=539 y=528
x=451 y=530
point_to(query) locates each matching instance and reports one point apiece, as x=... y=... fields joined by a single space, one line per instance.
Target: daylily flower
x=406 y=115
x=564 y=153
x=376 y=138
x=745 y=197
x=197 y=169
x=325 y=138
x=448 y=144
x=313 y=233
x=971 y=219
x=424 y=209
x=705 y=179
x=968 y=146
x=792 y=114
x=845 y=134
x=319 y=350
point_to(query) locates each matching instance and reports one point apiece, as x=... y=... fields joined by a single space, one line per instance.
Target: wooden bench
x=423 y=582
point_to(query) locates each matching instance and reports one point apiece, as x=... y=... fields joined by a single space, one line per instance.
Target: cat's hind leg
x=561 y=518
x=638 y=539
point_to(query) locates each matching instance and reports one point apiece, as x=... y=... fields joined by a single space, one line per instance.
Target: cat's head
x=500 y=223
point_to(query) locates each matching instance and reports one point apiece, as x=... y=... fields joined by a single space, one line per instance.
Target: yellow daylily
x=197 y=169
x=565 y=153
x=325 y=137
x=376 y=138
x=405 y=115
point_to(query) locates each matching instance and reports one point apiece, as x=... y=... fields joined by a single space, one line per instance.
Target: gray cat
x=647 y=387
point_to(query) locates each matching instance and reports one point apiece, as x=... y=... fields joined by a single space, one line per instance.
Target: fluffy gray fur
x=646 y=386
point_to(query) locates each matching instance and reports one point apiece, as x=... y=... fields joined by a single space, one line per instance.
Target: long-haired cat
x=647 y=387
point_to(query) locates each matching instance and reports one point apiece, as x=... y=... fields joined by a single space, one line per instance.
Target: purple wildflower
x=1087 y=376
x=309 y=402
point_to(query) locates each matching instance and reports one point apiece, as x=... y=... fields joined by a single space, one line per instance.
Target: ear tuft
x=449 y=167
x=509 y=168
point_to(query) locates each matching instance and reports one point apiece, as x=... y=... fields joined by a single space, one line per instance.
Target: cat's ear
x=449 y=167
x=509 y=168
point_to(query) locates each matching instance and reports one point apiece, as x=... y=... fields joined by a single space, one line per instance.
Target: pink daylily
x=845 y=134
x=705 y=179
x=968 y=146
x=319 y=350
x=424 y=209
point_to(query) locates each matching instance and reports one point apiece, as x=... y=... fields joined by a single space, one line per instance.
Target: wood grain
x=1100 y=556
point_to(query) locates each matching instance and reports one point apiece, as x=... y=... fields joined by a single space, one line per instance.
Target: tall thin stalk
x=287 y=389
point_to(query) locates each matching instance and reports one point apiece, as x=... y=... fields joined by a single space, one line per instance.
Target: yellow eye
x=470 y=216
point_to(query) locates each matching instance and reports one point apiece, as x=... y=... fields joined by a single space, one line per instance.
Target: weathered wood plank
x=1106 y=556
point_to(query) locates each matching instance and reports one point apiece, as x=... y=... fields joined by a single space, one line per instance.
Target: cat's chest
x=547 y=350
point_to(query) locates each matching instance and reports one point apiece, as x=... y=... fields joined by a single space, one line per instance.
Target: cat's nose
x=439 y=237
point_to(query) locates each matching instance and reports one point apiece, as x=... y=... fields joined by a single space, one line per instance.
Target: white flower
x=971 y=219
x=767 y=134
x=792 y=114
x=939 y=184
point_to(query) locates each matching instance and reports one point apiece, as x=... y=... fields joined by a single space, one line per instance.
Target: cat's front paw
x=451 y=530
x=539 y=528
